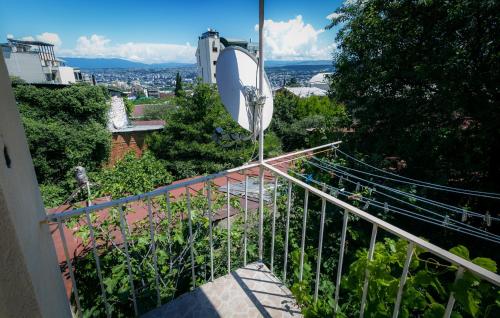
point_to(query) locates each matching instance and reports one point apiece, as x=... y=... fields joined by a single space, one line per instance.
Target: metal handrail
x=348 y=209
x=444 y=254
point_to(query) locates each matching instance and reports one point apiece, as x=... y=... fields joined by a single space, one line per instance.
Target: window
x=214 y=49
x=215 y=62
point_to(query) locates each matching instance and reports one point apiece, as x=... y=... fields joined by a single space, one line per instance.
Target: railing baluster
x=169 y=236
x=70 y=268
x=320 y=245
x=245 y=229
x=228 y=226
x=261 y=213
x=210 y=217
x=409 y=254
x=287 y=228
x=341 y=260
x=191 y=243
x=371 y=250
x=153 y=246
x=129 y=265
x=303 y=242
x=97 y=264
x=273 y=230
x=451 y=300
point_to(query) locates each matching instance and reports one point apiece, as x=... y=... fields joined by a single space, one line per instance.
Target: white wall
x=66 y=74
x=206 y=57
x=27 y=66
x=30 y=279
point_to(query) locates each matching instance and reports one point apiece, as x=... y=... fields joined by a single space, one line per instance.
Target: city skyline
x=158 y=32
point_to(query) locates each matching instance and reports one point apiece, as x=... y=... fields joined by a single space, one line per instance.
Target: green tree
x=65 y=128
x=178 y=85
x=421 y=80
x=187 y=143
x=307 y=122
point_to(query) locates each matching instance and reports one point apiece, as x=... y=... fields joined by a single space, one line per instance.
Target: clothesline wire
x=491 y=195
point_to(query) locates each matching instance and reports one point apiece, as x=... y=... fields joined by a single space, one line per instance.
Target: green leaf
x=486 y=263
x=435 y=311
x=461 y=251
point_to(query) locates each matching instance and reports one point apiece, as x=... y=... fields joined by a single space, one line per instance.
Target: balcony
x=208 y=247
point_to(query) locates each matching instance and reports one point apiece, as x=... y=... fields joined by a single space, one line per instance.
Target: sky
x=167 y=31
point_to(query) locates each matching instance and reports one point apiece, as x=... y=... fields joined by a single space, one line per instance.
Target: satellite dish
x=237 y=81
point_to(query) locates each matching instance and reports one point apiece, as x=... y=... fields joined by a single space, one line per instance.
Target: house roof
x=320 y=78
x=306 y=91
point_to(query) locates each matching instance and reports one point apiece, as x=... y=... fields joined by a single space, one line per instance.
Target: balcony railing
x=283 y=184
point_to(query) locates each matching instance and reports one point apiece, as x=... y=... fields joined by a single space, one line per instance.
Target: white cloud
x=10 y=36
x=333 y=15
x=293 y=40
x=52 y=38
x=100 y=46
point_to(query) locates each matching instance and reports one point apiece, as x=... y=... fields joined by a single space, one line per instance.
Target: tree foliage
x=306 y=122
x=65 y=128
x=178 y=85
x=187 y=143
x=420 y=79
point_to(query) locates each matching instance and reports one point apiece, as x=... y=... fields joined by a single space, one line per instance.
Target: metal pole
x=191 y=247
x=273 y=231
x=406 y=267
x=210 y=218
x=367 y=272
x=153 y=250
x=246 y=223
x=341 y=260
x=320 y=246
x=303 y=242
x=228 y=227
x=261 y=132
x=123 y=227
x=288 y=208
x=451 y=300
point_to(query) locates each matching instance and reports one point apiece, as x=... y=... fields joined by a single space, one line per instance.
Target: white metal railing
x=269 y=167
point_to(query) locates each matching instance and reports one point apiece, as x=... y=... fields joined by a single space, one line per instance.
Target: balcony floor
x=251 y=291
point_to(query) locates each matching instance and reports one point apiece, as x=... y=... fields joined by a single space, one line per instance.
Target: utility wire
x=451 y=208
x=423 y=218
x=491 y=195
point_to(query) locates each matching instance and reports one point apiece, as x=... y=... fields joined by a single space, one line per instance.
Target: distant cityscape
x=164 y=79
x=35 y=62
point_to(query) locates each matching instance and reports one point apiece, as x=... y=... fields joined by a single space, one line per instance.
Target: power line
x=491 y=195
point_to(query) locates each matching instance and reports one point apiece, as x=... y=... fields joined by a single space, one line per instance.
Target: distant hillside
x=89 y=63
x=278 y=63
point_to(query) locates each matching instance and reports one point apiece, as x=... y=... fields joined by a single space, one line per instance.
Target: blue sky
x=160 y=31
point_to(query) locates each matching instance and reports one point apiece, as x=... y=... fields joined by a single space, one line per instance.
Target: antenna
x=239 y=89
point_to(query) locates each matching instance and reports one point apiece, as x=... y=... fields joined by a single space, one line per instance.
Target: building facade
x=210 y=44
x=35 y=62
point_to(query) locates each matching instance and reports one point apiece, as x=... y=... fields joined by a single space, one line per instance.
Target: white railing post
x=191 y=242
x=341 y=260
x=287 y=228
x=210 y=225
x=123 y=228
x=273 y=228
x=320 y=245
x=451 y=300
x=228 y=226
x=153 y=250
x=303 y=241
x=371 y=250
x=406 y=267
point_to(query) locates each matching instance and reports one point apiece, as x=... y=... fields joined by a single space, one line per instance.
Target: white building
x=303 y=91
x=35 y=62
x=320 y=81
x=210 y=44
